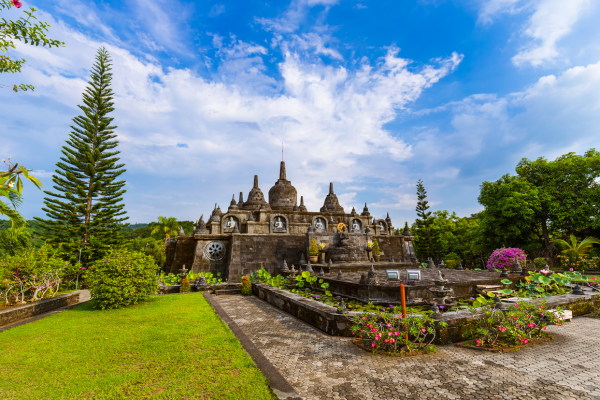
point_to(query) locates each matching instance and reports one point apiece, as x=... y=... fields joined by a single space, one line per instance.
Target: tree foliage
x=426 y=237
x=86 y=206
x=25 y=30
x=545 y=199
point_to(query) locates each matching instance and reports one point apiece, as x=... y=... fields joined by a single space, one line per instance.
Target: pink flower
x=392 y=340
x=423 y=330
x=570 y=269
x=517 y=305
x=372 y=344
x=386 y=340
x=389 y=325
x=543 y=327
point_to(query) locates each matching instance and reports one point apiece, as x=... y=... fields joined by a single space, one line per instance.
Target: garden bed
x=172 y=289
x=470 y=344
x=18 y=313
x=326 y=318
x=365 y=345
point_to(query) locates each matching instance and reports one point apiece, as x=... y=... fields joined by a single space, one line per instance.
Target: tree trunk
x=549 y=246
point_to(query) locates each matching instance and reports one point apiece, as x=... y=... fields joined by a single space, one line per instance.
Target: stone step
x=227 y=291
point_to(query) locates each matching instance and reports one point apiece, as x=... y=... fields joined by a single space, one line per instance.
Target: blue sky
x=372 y=95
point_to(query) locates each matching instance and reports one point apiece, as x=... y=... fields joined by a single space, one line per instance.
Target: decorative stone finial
x=219 y=212
x=332 y=203
x=460 y=267
x=442 y=265
x=353 y=212
x=388 y=220
x=365 y=212
x=241 y=201
x=430 y=263
x=302 y=206
x=284 y=268
x=256 y=181
x=181 y=232
x=282 y=170
x=406 y=230
x=302 y=259
x=371 y=278
x=295 y=207
x=309 y=267
x=321 y=272
x=201 y=226
x=363 y=278
x=310 y=229
x=330 y=265
x=251 y=217
x=293 y=271
x=339 y=275
x=233 y=203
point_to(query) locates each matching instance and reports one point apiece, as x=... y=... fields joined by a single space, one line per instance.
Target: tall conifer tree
x=87 y=203
x=426 y=237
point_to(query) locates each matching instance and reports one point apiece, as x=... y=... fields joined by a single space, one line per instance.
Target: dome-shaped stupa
x=283 y=196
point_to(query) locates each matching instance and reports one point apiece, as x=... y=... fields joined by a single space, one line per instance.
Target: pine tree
x=87 y=203
x=425 y=238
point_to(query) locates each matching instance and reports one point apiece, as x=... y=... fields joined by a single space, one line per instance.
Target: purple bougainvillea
x=505 y=258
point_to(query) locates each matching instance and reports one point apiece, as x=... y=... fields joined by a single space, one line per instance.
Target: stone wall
x=253 y=252
x=19 y=313
x=183 y=255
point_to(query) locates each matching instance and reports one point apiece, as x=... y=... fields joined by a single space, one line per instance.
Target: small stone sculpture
x=321 y=272
x=516 y=267
x=339 y=275
x=309 y=267
x=371 y=277
x=460 y=267
x=430 y=263
x=284 y=268
x=341 y=307
x=442 y=265
x=201 y=280
x=293 y=271
x=302 y=259
x=363 y=278
x=303 y=219
x=391 y=258
x=330 y=265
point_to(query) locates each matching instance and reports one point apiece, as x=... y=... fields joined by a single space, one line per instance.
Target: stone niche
x=381 y=227
x=278 y=223
x=319 y=223
x=230 y=224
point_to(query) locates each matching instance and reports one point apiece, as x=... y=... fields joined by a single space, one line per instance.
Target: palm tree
x=574 y=249
x=167 y=225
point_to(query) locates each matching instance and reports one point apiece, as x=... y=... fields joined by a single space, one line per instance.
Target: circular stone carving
x=214 y=251
x=341 y=226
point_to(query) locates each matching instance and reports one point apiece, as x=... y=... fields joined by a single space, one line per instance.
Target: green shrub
x=540 y=263
x=314 y=249
x=376 y=249
x=452 y=260
x=246 y=286
x=122 y=278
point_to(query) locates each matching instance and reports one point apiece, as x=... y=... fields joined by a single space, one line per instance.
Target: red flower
x=16 y=3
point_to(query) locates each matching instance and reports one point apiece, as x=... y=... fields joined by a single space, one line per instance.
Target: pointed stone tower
x=331 y=202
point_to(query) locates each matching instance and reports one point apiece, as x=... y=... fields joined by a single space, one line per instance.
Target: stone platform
x=463 y=283
x=363 y=266
x=320 y=366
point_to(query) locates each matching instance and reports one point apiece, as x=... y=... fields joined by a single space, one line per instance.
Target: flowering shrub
x=505 y=258
x=387 y=332
x=519 y=324
x=582 y=262
x=185 y=286
x=121 y=279
x=246 y=286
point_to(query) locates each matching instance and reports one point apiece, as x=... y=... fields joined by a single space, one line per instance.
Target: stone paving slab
x=320 y=366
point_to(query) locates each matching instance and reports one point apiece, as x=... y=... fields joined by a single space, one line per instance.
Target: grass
x=168 y=347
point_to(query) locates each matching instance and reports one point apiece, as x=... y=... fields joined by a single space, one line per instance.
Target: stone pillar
x=234 y=273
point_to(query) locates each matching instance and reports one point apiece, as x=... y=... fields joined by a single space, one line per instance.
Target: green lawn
x=168 y=347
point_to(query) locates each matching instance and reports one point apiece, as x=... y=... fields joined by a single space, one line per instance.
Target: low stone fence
x=326 y=318
x=170 y=289
x=19 y=313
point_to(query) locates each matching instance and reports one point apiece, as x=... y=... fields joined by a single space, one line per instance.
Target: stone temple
x=257 y=233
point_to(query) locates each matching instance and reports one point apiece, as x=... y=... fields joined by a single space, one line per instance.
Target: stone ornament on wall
x=356 y=226
x=230 y=224
x=320 y=224
x=382 y=228
x=214 y=250
x=279 y=225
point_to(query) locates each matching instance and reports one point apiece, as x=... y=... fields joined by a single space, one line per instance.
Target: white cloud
x=216 y=10
x=290 y=20
x=550 y=21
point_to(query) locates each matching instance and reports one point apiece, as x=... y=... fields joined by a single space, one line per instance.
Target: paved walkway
x=320 y=366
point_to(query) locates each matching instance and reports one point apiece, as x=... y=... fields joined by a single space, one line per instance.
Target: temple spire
x=282 y=171
x=330 y=187
x=256 y=181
